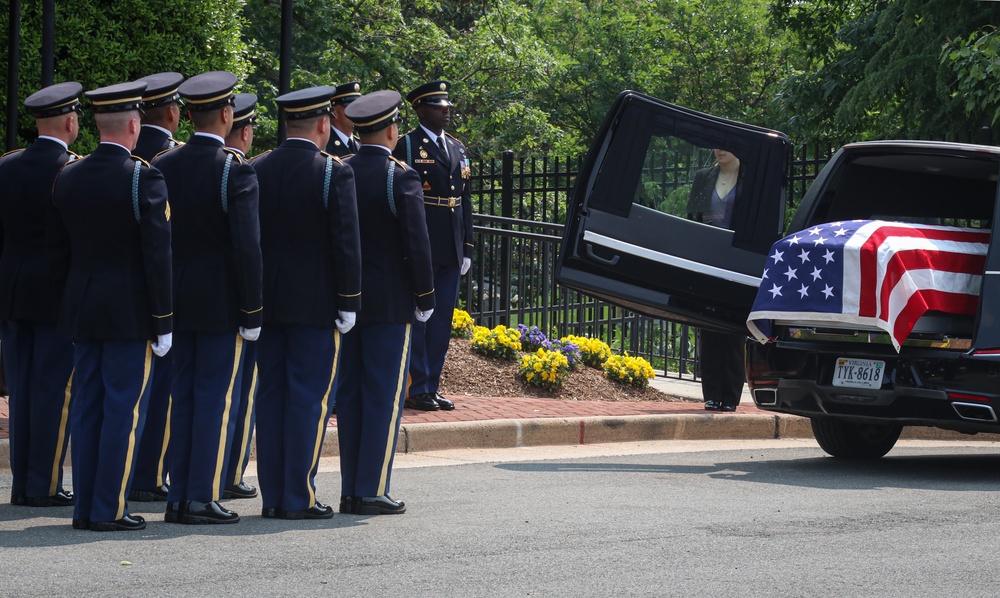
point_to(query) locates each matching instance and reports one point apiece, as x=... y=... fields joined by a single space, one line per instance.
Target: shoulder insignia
x=455 y=139
x=165 y=151
x=335 y=158
x=138 y=159
x=401 y=163
x=235 y=154
x=259 y=156
x=14 y=151
x=174 y=143
x=73 y=156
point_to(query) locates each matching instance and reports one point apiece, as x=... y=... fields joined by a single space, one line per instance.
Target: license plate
x=858 y=373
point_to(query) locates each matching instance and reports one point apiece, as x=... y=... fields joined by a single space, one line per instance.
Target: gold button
x=453 y=187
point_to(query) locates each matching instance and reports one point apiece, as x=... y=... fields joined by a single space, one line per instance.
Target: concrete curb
x=518 y=433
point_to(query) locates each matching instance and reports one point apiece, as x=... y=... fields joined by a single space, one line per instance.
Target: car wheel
x=848 y=440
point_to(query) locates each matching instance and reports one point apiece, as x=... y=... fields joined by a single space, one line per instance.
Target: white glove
x=423 y=316
x=162 y=344
x=346 y=321
x=466 y=264
x=250 y=334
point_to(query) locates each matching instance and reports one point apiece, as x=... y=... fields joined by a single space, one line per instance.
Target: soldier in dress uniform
x=312 y=289
x=398 y=286
x=113 y=215
x=241 y=410
x=444 y=169
x=217 y=295
x=161 y=106
x=32 y=274
x=161 y=116
x=342 y=142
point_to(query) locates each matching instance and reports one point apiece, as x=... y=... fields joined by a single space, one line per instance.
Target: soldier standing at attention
x=161 y=116
x=161 y=107
x=32 y=275
x=342 y=142
x=217 y=295
x=398 y=286
x=241 y=410
x=312 y=289
x=113 y=215
x=444 y=170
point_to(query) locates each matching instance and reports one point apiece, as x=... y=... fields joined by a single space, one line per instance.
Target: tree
x=873 y=69
x=101 y=43
x=485 y=49
x=716 y=56
x=975 y=64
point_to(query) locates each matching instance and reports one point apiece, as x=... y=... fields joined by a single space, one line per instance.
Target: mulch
x=469 y=374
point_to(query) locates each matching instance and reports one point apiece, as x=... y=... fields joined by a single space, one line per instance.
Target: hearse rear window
x=921 y=188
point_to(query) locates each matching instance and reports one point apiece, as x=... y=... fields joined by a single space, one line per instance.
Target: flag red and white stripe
x=875 y=273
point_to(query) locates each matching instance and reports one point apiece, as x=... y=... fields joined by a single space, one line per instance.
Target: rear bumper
x=944 y=390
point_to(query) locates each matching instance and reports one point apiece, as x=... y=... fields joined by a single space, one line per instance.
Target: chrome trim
x=875 y=338
x=989 y=411
x=670 y=260
x=759 y=394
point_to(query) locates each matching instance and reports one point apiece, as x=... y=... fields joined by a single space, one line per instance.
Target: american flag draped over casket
x=870 y=273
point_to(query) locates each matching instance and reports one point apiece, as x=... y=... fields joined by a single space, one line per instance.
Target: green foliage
x=100 y=43
x=873 y=69
x=975 y=61
x=717 y=56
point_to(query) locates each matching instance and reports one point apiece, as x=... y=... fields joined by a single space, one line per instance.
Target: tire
x=848 y=440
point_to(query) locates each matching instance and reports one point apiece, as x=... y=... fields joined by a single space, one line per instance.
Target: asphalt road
x=695 y=518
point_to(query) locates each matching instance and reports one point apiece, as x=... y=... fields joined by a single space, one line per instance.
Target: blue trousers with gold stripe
x=241 y=416
x=110 y=393
x=296 y=369
x=370 y=405
x=39 y=363
x=150 y=465
x=205 y=376
x=431 y=338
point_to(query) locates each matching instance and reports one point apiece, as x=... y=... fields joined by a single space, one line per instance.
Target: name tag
x=418 y=161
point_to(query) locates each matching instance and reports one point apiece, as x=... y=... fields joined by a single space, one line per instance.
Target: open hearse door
x=637 y=235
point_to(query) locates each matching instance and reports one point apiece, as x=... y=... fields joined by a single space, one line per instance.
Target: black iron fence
x=518 y=224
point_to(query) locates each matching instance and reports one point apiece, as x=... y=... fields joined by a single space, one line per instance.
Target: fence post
x=507 y=211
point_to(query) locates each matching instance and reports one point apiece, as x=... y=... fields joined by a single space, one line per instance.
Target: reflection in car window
x=688 y=181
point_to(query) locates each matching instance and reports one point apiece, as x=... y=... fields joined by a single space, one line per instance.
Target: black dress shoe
x=269 y=512
x=196 y=512
x=423 y=401
x=241 y=490
x=713 y=406
x=727 y=408
x=126 y=523
x=317 y=511
x=346 y=504
x=174 y=511
x=158 y=494
x=443 y=403
x=63 y=498
x=378 y=505
x=81 y=524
